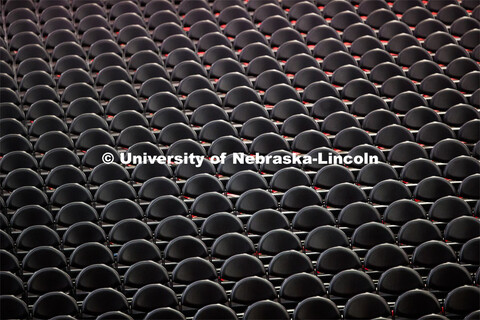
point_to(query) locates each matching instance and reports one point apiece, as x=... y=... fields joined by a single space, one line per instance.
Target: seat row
x=107 y=302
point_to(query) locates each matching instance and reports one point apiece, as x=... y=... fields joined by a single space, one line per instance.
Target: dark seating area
x=86 y=238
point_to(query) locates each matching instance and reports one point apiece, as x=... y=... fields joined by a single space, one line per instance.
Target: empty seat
x=403 y=210
x=90 y=254
x=343 y=194
x=13 y=307
x=266 y=220
x=129 y=229
x=42 y=257
x=461 y=229
x=103 y=300
x=295 y=287
x=316 y=307
x=231 y=244
x=398 y=280
x=433 y=188
x=252 y=289
x=175 y=226
x=82 y=232
x=462 y=300
x=310 y=217
x=366 y=305
x=215 y=310
x=221 y=223
x=299 y=197
x=203 y=292
x=448 y=276
x=144 y=300
x=138 y=250
x=336 y=258
x=241 y=266
x=75 y=212
x=278 y=240
x=432 y=253
x=97 y=276
x=371 y=234
x=184 y=247
x=341 y=284
x=143 y=273
x=165 y=312
x=416 y=303
x=288 y=263
x=426 y=231
x=266 y=309
x=64 y=304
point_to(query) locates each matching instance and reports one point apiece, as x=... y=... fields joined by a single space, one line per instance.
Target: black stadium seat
x=293 y=232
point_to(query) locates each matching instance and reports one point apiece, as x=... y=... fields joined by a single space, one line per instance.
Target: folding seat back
x=367 y=305
x=11 y=284
x=158 y=186
x=145 y=300
x=35 y=236
x=63 y=174
x=121 y=209
x=254 y=200
x=22 y=177
x=416 y=303
x=92 y=157
x=448 y=208
x=70 y=192
x=278 y=240
x=91 y=253
x=316 y=307
x=184 y=247
x=335 y=259
x=385 y=256
x=231 y=244
x=399 y=279
x=310 y=217
x=166 y=313
x=129 y=229
x=266 y=220
x=448 y=276
x=403 y=210
x=241 y=266
x=287 y=178
x=42 y=257
x=462 y=300
x=215 y=310
x=138 y=250
x=44 y=107
x=288 y=263
x=433 y=188
x=83 y=232
x=252 y=289
x=461 y=229
x=193 y=269
x=343 y=194
x=48 y=280
x=13 y=307
x=175 y=226
x=103 y=300
x=342 y=283
x=358 y=213
x=343 y=19
x=114 y=189
x=432 y=253
x=145 y=272
x=203 y=292
x=164 y=206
